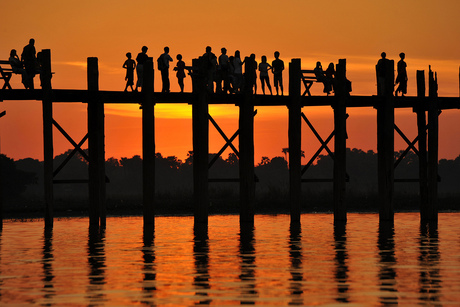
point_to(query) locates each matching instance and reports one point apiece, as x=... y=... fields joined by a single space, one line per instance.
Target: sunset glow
x=357 y=30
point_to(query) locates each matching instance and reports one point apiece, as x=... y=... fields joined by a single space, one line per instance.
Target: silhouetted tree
x=14 y=181
x=285 y=151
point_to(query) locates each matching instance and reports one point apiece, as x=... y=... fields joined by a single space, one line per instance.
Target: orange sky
x=358 y=30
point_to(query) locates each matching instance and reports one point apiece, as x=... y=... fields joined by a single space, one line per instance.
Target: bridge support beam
x=246 y=150
x=200 y=130
x=294 y=135
x=148 y=147
x=385 y=144
x=422 y=144
x=47 y=106
x=96 y=148
x=431 y=213
x=340 y=142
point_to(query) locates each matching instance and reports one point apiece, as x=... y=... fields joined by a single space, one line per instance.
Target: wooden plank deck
x=67 y=96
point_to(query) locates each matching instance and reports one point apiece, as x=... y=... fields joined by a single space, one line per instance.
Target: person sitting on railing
x=16 y=66
x=321 y=77
x=330 y=73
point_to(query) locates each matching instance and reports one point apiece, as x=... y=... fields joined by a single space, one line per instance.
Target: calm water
x=271 y=264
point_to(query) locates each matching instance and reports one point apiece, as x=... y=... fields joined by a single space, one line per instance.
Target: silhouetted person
x=163 y=66
x=180 y=68
x=402 y=76
x=254 y=72
x=17 y=67
x=381 y=73
x=264 y=67
x=223 y=72
x=211 y=66
x=140 y=59
x=277 y=69
x=231 y=73
x=28 y=57
x=330 y=73
x=321 y=77
x=237 y=72
x=129 y=65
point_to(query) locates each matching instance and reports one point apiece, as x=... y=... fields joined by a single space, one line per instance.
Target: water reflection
x=1 y=258
x=387 y=273
x=341 y=265
x=429 y=260
x=248 y=266
x=295 y=256
x=201 y=256
x=96 y=264
x=48 y=274
x=149 y=270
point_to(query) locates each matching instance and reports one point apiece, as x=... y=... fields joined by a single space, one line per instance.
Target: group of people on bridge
x=225 y=71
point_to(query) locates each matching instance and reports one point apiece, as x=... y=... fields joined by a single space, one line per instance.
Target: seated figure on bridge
x=16 y=66
x=321 y=77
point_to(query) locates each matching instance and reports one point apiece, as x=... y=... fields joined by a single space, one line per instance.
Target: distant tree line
x=22 y=180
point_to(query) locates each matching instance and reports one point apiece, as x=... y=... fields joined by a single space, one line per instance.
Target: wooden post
x=294 y=135
x=385 y=145
x=200 y=143
x=340 y=142
x=433 y=133
x=148 y=146
x=422 y=151
x=96 y=169
x=47 y=106
x=246 y=142
x=1 y=185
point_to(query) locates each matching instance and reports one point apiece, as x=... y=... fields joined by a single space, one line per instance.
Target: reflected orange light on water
x=272 y=263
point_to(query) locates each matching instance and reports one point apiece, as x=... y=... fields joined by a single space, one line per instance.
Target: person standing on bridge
x=402 y=76
x=141 y=58
x=211 y=66
x=163 y=65
x=237 y=72
x=129 y=65
x=252 y=58
x=28 y=57
x=381 y=74
x=223 y=73
x=180 y=68
x=264 y=67
x=278 y=67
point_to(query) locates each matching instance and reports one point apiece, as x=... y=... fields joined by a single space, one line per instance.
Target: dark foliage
x=23 y=180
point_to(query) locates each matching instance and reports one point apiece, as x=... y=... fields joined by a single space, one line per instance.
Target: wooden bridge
x=427 y=110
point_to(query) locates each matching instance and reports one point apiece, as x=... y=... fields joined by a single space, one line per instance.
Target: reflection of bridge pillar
x=246 y=140
x=47 y=106
x=385 y=145
x=96 y=148
x=148 y=146
x=200 y=128
x=294 y=133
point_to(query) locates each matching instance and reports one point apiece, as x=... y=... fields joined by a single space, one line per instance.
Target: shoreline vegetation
x=22 y=186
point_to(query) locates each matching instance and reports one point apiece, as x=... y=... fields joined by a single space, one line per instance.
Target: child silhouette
x=129 y=65
x=180 y=68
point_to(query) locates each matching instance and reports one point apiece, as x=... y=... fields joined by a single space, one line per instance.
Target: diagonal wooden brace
x=229 y=142
x=77 y=148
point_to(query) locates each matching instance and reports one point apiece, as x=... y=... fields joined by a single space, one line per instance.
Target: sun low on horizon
x=356 y=30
